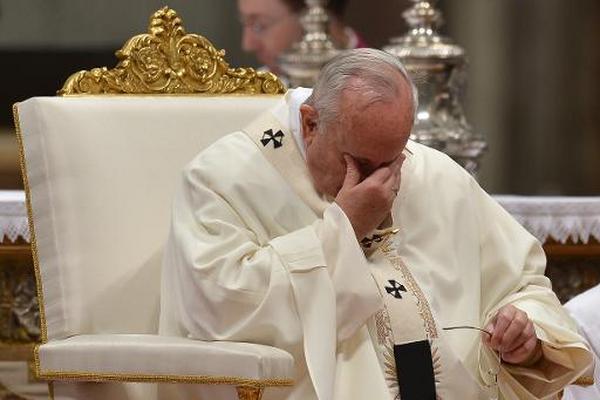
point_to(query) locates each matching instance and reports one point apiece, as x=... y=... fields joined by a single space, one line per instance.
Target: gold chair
x=99 y=170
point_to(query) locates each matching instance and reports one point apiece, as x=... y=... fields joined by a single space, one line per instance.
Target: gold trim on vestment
x=422 y=304
x=32 y=240
x=584 y=381
x=385 y=341
x=166 y=60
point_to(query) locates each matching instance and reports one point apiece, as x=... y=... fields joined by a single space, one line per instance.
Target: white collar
x=288 y=113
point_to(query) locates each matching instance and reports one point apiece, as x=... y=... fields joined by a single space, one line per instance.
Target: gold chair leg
x=249 y=392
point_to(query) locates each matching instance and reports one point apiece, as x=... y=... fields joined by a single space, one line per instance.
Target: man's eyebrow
x=249 y=17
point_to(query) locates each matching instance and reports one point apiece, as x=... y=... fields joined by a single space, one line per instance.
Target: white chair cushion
x=102 y=171
x=161 y=358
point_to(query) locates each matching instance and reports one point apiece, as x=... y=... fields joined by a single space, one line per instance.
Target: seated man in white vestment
x=323 y=230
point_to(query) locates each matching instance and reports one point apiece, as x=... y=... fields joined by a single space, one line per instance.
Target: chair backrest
x=101 y=172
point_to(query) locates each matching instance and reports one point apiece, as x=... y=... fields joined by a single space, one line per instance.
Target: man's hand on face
x=367 y=203
x=513 y=336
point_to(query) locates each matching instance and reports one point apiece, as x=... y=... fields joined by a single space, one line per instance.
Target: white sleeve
x=309 y=287
x=513 y=264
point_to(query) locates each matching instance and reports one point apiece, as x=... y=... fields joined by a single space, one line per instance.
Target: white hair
x=361 y=70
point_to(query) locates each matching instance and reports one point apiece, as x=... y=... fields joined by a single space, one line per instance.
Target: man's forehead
x=361 y=91
x=381 y=130
x=253 y=9
x=379 y=113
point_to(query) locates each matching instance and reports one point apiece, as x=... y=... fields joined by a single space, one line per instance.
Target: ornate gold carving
x=166 y=60
x=19 y=314
x=249 y=393
x=572 y=267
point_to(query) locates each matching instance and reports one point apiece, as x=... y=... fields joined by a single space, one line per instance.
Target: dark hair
x=335 y=7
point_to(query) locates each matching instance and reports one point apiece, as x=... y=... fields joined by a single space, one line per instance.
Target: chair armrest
x=153 y=358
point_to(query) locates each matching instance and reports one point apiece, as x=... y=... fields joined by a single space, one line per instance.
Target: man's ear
x=308 y=122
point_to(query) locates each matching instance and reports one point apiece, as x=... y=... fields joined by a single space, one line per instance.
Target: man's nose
x=250 y=42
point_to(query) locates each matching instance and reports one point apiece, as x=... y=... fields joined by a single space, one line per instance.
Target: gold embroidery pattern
x=166 y=60
x=437 y=362
x=437 y=366
x=430 y=327
x=385 y=341
x=584 y=381
x=382 y=325
x=377 y=237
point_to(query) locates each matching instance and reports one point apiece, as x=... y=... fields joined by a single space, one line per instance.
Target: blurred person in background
x=270 y=27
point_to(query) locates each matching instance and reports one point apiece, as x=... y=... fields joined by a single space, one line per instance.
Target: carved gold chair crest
x=99 y=174
x=166 y=60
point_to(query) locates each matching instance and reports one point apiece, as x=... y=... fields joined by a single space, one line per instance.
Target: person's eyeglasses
x=260 y=26
x=491 y=380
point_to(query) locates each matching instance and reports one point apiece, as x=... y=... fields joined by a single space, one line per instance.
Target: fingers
x=523 y=353
x=396 y=168
x=352 y=177
x=501 y=323
x=485 y=337
x=389 y=175
x=522 y=336
x=367 y=202
x=513 y=335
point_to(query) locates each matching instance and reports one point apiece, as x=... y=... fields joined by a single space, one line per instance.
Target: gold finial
x=166 y=60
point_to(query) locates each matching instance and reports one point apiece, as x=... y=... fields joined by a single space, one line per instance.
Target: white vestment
x=257 y=255
x=584 y=309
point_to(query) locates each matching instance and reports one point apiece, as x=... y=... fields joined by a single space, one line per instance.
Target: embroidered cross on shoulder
x=395 y=289
x=276 y=137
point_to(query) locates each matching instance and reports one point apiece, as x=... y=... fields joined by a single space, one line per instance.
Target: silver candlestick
x=437 y=66
x=304 y=60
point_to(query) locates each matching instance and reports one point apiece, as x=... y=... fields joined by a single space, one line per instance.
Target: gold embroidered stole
x=404 y=323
